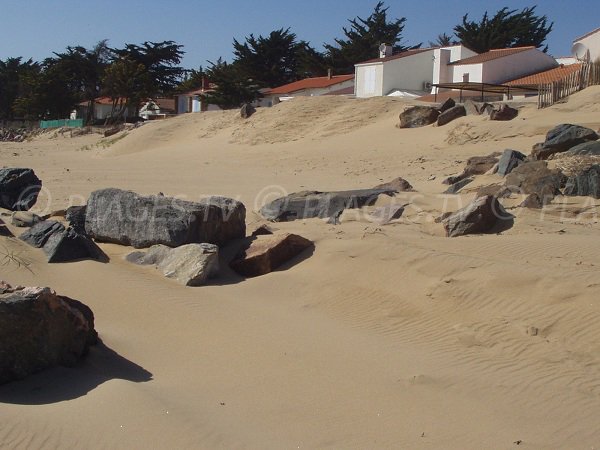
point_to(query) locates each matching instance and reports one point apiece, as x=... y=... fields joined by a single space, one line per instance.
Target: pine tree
x=506 y=29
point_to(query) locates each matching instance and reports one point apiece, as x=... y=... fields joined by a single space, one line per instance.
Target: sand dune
x=386 y=337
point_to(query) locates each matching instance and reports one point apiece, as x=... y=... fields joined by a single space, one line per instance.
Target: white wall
x=475 y=72
x=592 y=43
x=369 y=80
x=517 y=65
x=408 y=73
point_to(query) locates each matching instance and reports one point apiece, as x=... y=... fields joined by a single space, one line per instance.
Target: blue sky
x=36 y=28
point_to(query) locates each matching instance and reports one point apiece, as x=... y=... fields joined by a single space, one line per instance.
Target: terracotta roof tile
x=310 y=83
x=548 y=76
x=491 y=55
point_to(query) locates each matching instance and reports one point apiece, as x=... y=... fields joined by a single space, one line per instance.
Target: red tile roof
x=310 y=83
x=397 y=55
x=587 y=35
x=344 y=91
x=548 y=76
x=491 y=55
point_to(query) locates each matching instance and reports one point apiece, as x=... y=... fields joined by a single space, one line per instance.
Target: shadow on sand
x=60 y=384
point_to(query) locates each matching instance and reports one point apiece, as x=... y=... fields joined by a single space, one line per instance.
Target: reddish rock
x=263 y=254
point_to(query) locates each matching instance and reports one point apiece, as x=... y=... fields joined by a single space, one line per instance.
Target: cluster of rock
x=19 y=188
x=40 y=329
x=16 y=134
x=420 y=116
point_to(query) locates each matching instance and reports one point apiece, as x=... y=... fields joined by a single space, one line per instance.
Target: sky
x=37 y=28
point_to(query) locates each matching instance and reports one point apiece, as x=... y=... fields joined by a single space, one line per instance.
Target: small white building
x=158 y=108
x=498 y=66
x=412 y=71
x=308 y=87
x=104 y=109
x=587 y=46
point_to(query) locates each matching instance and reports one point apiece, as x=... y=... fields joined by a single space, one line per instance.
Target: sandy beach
x=386 y=336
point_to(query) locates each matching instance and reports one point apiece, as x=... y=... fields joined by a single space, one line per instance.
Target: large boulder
x=19 y=188
x=247 y=110
x=124 y=217
x=76 y=217
x=509 y=160
x=418 y=116
x=451 y=114
x=562 y=138
x=263 y=254
x=385 y=214
x=585 y=183
x=397 y=185
x=472 y=108
x=40 y=329
x=190 y=264
x=505 y=112
x=479 y=216
x=534 y=177
x=312 y=204
x=456 y=187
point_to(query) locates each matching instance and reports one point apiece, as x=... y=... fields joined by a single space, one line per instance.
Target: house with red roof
x=308 y=87
x=501 y=65
x=410 y=73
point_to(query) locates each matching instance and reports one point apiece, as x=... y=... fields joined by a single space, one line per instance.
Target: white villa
x=587 y=46
x=414 y=72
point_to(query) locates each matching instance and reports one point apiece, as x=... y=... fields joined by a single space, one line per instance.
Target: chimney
x=385 y=50
x=329 y=74
x=205 y=84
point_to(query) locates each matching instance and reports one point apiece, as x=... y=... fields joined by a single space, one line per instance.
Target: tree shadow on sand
x=60 y=384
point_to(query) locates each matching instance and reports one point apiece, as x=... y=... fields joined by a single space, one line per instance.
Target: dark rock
x=505 y=112
x=126 y=218
x=264 y=254
x=562 y=138
x=532 y=201
x=454 y=188
x=4 y=231
x=263 y=230
x=480 y=216
x=312 y=204
x=451 y=114
x=418 y=116
x=19 y=189
x=534 y=177
x=450 y=103
x=397 y=185
x=76 y=217
x=247 y=110
x=112 y=131
x=71 y=245
x=591 y=148
x=585 y=183
x=24 y=219
x=38 y=234
x=40 y=329
x=476 y=165
x=385 y=214
x=486 y=109
x=509 y=160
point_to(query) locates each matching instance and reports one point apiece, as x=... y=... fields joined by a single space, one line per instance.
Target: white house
x=158 y=108
x=587 y=46
x=412 y=71
x=308 y=87
x=103 y=108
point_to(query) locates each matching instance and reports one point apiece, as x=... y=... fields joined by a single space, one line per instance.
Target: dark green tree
x=363 y=39
x=443 y=40
x=124 y=82
x=276 y=59
x=85 y=70
x=14 y=77
x=160 y=61
x=233 y=87
x=192 y=80
x=506 y=29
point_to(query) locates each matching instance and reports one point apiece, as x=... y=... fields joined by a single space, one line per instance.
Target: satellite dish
x=580 y=52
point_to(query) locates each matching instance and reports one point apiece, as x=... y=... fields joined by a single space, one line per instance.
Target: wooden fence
x=587 y=75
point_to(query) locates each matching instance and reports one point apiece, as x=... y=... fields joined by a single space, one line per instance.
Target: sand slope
x=386 y=337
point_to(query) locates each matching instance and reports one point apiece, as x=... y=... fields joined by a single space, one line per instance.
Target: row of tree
x=51 y=88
